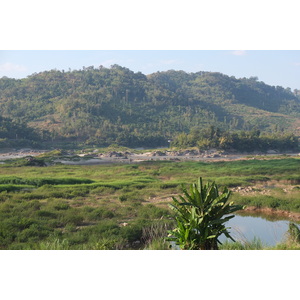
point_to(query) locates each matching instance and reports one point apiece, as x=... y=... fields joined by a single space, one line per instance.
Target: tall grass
x=56 y=244
x=292 y=239
x=154 y=237
x=255 y=244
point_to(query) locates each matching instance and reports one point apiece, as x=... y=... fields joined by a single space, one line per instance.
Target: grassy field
x=116 y=206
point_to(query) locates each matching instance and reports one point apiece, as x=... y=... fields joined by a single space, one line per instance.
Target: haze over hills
x=103 y=106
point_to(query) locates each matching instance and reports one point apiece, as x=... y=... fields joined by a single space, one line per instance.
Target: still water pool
x=246 y=228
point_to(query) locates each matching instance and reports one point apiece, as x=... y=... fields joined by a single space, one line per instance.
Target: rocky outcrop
x=114 y=154
x=158 y=153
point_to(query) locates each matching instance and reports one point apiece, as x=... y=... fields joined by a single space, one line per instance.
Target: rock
x=191 y=152
x=29 y=158
x=136 y=242
x=158 y=153
x=174 y=153
x=115 y=154
x=272 y=152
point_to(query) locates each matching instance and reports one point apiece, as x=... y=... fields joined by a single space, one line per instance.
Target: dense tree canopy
x=243 y=141
x=116 y=105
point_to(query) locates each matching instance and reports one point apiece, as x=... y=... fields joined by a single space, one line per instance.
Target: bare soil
x=274 y=212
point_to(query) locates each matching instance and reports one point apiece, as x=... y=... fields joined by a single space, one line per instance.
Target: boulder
x=158 y=153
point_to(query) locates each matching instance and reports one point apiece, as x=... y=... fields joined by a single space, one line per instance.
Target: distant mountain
x=115 y=105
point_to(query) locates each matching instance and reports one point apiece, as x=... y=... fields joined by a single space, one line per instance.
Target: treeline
x=116 y=105
x=16 y=134
x=243 y=141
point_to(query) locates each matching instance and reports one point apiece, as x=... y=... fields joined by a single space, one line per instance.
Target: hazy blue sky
x=274 y=67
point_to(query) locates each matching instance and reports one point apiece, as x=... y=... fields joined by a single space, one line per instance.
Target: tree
x=200 y=217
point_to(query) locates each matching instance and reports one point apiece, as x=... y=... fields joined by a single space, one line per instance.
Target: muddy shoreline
x=272 y=212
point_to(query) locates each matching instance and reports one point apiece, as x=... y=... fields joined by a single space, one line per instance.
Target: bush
x=132 y=232
x=61 y=206
x=33 y=233
x=19 y=223
x=71 y=216
x=294 y=233
x=152 y=212
x=168 y=185
x=123 y=198
x=46 y=214
x=131 y=196
x=13 y=187
x=4 y=196
x=102 y=190
x=105 y=228
x=274 y=203
x=101 y=213
x=77 y=239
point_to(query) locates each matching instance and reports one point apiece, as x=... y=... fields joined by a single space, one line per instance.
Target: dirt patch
x=162 y=201
x=265 y=188
x=274 y=212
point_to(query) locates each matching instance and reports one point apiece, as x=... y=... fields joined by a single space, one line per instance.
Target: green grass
x=42 y=181
x=84 y=207
x=276 y=200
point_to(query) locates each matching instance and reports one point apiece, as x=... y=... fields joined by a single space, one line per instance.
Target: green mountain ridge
x=116 y=105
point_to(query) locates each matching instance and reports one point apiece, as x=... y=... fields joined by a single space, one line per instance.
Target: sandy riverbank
x=127 y=157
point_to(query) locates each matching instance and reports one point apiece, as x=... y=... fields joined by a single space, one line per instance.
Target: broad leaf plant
x=200 y=215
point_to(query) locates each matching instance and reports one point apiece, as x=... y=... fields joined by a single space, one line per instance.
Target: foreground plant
x=200 y=217
x=293 y=233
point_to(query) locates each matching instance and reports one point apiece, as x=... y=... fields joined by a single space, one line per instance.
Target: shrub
x=101 y=213
x=33 y=233
x=151 y=212
x=61 y=206
x=274 y=203
x=200 y=217
x=294 y=233
x=71 y=216
x=12 y=187
x=123 y=198
x=132 y=232
x=168 y=185
x=46 y=214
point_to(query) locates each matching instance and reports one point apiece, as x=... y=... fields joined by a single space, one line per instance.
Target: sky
x=274 y=67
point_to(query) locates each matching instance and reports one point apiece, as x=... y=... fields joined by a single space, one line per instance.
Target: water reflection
x=246 y=228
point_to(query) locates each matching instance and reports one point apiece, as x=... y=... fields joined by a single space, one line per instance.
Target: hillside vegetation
x=116 y=105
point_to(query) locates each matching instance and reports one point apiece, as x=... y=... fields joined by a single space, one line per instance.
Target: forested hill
x=116 y=105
